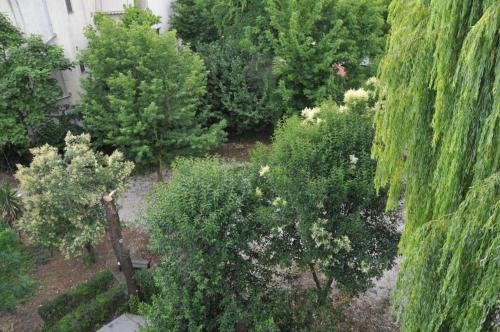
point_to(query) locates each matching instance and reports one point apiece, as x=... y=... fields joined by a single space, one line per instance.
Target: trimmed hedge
x=64 y=303
x=91 y=316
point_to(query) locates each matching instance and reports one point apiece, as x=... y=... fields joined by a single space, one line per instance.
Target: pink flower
x=341 y=71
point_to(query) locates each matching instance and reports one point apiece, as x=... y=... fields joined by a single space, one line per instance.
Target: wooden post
x=115 y=235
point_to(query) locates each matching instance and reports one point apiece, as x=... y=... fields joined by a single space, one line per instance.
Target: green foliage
x=15 y=284
x=437 y=141
x=55 y=309
x=239 y=86
x=92 y=315
x=309 y=36
x=203 y=224
x=28 y=87
x=53 y=130
x=194 y=22
x=62 y=193
x=146 y=284
x=142 y=92
x=316 y=182
x=10 y=205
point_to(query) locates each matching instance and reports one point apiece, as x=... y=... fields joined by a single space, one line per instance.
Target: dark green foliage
x=437 y=142
x=28 y=89
x=83 y=293
x=10 y=205
x=53 y=130
x=317 y=183
x=194 y=22
x=15 y=284
x=239 y=87
x=309 y=36
x=10 y=35
x=143 y=91
x=203 y=224
x=92 y=315
x=146 y=284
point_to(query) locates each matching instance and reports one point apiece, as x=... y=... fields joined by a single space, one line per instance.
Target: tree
x=316 y=180
x=203 y=225
x=15 y=283
x=331 y=39
x=437 y=142
x=143 y=90
x=28 y=89
x=69 y=198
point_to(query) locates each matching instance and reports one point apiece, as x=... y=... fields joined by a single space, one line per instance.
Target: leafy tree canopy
x=437 y=142
x=62 y=193
x=143 y=90
x=28 y=89
x=320 y=46
x=316 y=180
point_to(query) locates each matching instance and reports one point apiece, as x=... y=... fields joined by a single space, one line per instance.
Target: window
x=69 y=8
x=82 y=67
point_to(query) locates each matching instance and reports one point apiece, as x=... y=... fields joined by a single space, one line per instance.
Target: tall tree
x=28 y=89
x=317 y=181
x=68 y=199
x=143 y=90
x=333 y=39
x=437 y=141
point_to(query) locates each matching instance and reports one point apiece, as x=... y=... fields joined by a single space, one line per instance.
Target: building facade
x=63 y=22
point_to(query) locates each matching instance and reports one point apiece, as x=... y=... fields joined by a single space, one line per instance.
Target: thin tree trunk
x=159 y=171
x=315 y=277
x=115 y=235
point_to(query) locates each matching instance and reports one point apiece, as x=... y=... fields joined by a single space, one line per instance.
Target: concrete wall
x=55 y=24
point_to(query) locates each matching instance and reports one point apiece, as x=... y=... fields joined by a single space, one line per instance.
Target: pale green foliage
x=317 y=182
x=62 y=193
x=143 y=90
x=438 y=138
x=309 y=36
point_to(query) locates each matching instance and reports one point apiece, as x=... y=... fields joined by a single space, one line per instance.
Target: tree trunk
x=159 y=171
x=315 y=277
x=115 y=235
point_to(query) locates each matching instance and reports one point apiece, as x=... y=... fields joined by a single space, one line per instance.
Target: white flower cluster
x=372 y=82
x=324 y=238
x=258 y=192
x=353 y=159
x=353 y=97
x=263 y=170
x=278 y=201
x=310 y=115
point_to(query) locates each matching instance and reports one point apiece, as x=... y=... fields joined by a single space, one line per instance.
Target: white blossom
x=263 y=170
x=258 y=192
x=357 y=96
x=353 y=159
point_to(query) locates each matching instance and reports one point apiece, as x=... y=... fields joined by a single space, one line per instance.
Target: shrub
x=202 y=223
x=239 y=86
x=146 y=284
x=64 y=303
x=90 y=316
x=15 y=284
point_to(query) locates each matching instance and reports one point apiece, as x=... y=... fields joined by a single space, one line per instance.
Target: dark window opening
x=82 y=67
x=69 y=8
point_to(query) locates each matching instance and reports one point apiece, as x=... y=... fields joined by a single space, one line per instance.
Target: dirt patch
x=59 y=275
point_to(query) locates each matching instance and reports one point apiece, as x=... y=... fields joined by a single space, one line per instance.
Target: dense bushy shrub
x=239 y=87
x=203 y=224
x=92 y=315
x=15 y=284
x=317 y=183
x=66 y=302
x=146 y=284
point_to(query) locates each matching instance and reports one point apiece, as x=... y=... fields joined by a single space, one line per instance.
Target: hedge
x=64 y=303
x=91 y=316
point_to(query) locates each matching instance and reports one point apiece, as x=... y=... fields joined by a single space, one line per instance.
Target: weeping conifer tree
x=437 y=142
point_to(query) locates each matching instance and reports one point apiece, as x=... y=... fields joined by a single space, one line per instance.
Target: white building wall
x=51 y=20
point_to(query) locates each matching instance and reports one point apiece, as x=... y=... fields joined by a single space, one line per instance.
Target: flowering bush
x=317 y=183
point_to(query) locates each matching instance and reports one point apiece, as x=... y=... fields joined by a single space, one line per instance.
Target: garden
x=264 y=165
